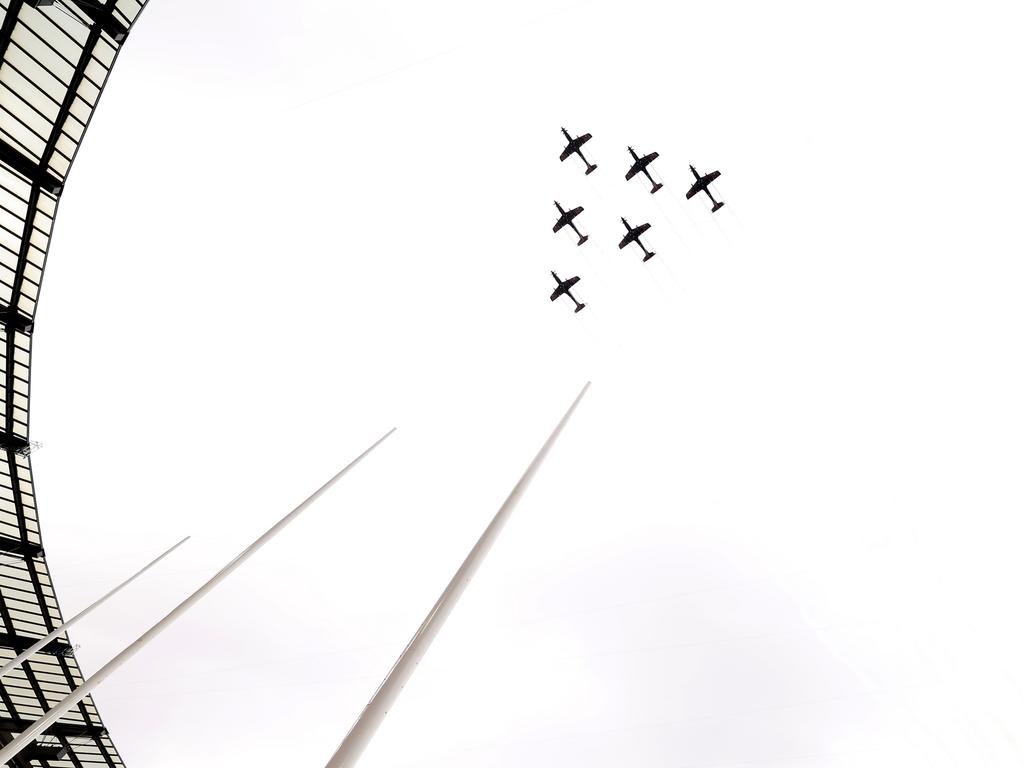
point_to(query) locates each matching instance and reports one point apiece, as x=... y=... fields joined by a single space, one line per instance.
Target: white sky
x=783 y=528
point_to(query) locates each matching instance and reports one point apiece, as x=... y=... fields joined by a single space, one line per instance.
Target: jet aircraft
x=640 y=166
x=574 y=147
x=566 y=217
x=703 y=184
x=633 y=236
x=563 y=290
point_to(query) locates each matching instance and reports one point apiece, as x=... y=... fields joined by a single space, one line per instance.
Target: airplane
x=563 y=289
x=566 y=217
x=703 y=184
x=633 y=236
x=640 y=165
x=574 y=147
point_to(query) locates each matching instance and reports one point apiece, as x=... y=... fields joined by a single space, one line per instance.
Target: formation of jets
x=640 y=164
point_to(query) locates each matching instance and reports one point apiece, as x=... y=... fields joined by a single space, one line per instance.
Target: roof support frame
x=101 y=15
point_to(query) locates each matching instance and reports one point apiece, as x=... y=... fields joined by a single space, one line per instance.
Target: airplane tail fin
x=583 y=239
x=656 y=187
x=579 y=307
x=716 y=206
x=649 y=256
x=590 y=169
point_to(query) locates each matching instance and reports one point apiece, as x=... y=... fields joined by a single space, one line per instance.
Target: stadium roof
x=56 y=58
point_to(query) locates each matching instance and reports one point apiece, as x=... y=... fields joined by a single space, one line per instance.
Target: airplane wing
x=633 y=171
x=702 y=184
x=625 y=241
x=648 y=159
x=574 y=145
x=567 y=217
x=642 y=228
x=563 y=287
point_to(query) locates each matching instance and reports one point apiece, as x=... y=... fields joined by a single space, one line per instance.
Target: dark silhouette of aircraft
x=633 y=236
x=640 y=166
x=573 y=147
x=566 y=217
x=563 y=290
x=703 y=184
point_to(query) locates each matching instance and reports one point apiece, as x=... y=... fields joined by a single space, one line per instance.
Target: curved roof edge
x=55 y=59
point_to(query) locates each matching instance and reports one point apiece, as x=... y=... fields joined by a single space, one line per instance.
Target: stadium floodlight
x=26 y=737
x=44 y=641
x=383 y=699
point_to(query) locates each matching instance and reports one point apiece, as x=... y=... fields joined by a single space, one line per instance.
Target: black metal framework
x=55 y=58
